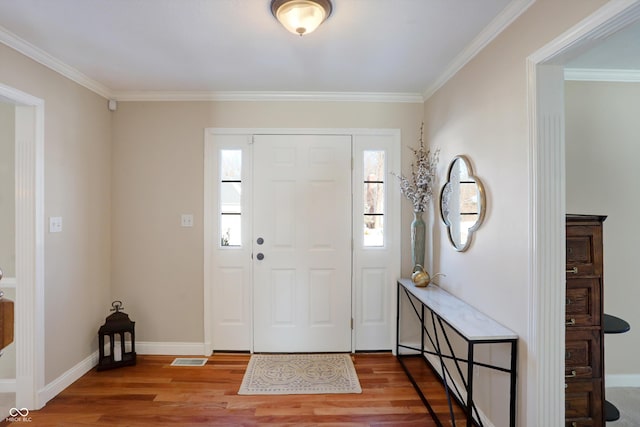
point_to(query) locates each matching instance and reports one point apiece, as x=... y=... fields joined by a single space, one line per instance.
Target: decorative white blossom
x=419 y=189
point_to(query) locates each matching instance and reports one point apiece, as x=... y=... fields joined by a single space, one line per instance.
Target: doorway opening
x=547 y=205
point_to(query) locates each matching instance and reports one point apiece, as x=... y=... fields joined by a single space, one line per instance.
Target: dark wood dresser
x=584 y=352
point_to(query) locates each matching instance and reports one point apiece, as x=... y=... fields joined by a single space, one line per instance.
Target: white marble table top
x=468 y=321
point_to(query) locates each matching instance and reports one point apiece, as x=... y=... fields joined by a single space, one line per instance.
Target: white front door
x=302 y=241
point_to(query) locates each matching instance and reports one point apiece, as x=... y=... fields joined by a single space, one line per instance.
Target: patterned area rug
x=300 y=374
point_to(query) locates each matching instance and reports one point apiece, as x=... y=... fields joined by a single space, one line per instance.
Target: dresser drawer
x=583 y=305
x=583 y=403
x=583 y=354
x=583 y=422
x=584 y=251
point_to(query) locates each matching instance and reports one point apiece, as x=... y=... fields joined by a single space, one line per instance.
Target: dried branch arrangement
x=419 y=187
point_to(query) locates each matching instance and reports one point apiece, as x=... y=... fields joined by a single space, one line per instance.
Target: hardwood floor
x=153 y=393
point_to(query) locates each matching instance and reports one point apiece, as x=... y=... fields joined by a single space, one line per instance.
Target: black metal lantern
x=116 y=324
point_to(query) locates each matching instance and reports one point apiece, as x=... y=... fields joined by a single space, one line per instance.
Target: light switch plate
x=186 y=220
x=55 y=224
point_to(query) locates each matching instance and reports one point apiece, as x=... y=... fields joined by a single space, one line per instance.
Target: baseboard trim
x=434 y=361
x=171 y=348
x=622 y=380
x=8 y=386
x=52 y=389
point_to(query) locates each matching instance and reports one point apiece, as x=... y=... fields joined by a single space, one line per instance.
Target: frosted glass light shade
x=301 y=16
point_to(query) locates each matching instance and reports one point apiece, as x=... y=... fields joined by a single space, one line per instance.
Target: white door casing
x=376 y=268
x=545 y=88
x=302 y=213
x=228 y=290
x=228 y=294
x=29 y=308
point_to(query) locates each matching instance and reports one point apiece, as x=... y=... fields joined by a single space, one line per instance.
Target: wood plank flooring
x=153 y=393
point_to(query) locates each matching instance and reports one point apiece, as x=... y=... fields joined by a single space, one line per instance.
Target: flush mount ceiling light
x=301 y=16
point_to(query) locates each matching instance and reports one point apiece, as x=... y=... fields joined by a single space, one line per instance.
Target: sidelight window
x=374 y=195
x=230 y=197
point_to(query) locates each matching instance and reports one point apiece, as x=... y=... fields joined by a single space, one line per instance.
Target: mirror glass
x=462 y=203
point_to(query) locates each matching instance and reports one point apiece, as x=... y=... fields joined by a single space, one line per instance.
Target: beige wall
x=158 y=159
x=77 y=188
x=482 y=112
x=121 y=203
x=602 y=152
x=7 y=192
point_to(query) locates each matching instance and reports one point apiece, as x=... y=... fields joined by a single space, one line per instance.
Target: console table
x=434 y=309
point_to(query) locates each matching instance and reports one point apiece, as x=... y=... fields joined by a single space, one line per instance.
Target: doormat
x=300 y=374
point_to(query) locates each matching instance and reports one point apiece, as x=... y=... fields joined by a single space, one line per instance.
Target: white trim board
x=602 y=75
x=435 y=363
x=622 y=380
x=301 y=131
x=8 y=386
x=29 y=50
x=56 y=386
x=8 y=283
x=547 y=182
x=497 y=26
x=29 y=314
x=393 y=97
x=42 y=57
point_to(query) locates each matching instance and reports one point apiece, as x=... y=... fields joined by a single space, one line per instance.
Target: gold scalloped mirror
x=462 y=203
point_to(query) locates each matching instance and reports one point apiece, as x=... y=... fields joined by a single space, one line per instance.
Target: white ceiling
x=379 y=46
x=620 y=51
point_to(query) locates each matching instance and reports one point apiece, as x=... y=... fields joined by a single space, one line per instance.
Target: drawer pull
x=568 y=301
x=574 y=424
x=573 y=374
x=573 y=270
x=571 y=322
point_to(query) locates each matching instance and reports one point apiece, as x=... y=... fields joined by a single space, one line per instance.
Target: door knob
x=260 y=256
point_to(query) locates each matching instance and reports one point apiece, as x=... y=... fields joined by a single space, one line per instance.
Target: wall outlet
x=55 y=224
x=186 y=220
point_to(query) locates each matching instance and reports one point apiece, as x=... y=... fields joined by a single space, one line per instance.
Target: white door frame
x=29 y=306
x=210 y=215
x=545 y=401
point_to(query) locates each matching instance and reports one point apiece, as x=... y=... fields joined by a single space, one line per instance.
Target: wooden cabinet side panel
x=584 y=350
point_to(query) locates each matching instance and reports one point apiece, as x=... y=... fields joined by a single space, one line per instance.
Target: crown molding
x=602 y=23
x=502 y=21
x=601 y=75
x=42 y=57
x=394 y=97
